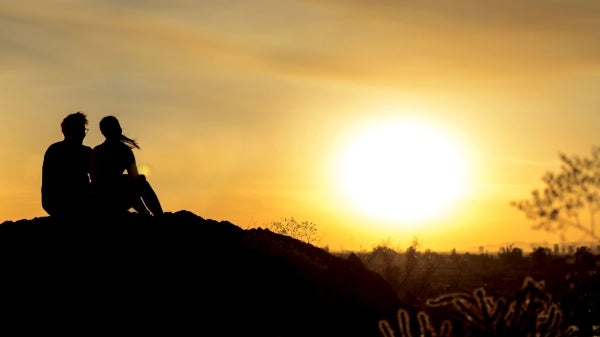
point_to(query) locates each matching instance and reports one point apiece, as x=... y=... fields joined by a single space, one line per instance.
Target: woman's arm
x=132 y=169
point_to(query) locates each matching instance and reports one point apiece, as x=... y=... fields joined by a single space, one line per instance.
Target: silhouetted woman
x=116 y=182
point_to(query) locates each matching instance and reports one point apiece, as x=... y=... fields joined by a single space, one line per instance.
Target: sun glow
x=401 y=171
x=144 y=169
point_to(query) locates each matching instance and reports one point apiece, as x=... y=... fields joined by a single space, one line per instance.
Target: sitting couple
x=78 y=180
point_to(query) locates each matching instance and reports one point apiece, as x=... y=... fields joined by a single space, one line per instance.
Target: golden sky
x=241 y=106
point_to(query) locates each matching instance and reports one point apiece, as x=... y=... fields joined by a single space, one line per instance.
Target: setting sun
x=401 y=171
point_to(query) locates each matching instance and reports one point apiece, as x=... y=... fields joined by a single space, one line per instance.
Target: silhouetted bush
x=302 y=230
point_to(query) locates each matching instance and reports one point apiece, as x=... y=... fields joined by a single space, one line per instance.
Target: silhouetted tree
x=584 y=258
x=540 y=256
x=571 y=198
x=511 y=255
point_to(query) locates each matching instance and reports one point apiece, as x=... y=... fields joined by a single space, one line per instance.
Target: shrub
x=302 y=230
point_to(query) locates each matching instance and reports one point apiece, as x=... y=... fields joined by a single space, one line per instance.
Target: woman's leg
x=130 y=195
x=149 y=196
x=138 y=206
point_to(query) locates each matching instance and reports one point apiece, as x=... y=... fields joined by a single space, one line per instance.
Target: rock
x=180 y=273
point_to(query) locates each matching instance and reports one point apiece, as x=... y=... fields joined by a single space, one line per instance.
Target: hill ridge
x=181 y=272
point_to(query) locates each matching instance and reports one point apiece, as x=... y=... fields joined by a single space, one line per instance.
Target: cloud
x=441 y=41
x=398 y=43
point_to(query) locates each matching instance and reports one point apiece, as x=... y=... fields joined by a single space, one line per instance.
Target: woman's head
x=111 y=129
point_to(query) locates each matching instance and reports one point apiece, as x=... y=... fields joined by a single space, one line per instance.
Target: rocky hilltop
x=180 y=273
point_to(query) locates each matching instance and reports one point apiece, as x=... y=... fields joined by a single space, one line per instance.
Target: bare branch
x=570 y=199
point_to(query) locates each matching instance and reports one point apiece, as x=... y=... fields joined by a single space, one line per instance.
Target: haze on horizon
x=241 y=106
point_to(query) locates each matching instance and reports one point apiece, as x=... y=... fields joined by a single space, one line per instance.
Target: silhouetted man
x=65 y=171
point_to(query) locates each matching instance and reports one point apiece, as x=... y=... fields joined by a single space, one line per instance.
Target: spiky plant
x=530 y=313
x=426 y=328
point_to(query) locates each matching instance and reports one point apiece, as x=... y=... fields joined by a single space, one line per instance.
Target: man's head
x=74 y=126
